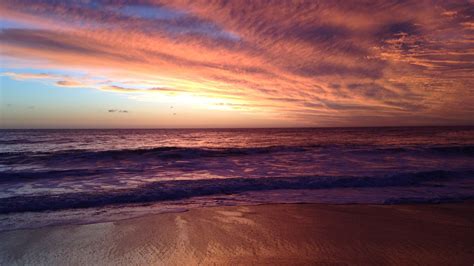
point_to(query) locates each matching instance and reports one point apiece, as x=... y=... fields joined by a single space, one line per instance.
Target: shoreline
x=159 y=209
x=255 y=234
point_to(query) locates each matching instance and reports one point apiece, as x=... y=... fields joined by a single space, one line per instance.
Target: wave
x=158 y=152
x=184 y=189
x=22 y=141
x=164 y=153
x=34 y=141
x=18 y=176
x=462 y=150
x=436 y=150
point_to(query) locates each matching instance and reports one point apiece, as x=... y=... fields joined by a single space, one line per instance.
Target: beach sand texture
x=280 y=234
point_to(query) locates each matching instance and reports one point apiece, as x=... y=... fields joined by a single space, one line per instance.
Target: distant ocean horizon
x=51 y=176
x=237 y=128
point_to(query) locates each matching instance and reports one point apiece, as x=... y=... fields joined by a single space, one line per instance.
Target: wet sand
x=285 y=234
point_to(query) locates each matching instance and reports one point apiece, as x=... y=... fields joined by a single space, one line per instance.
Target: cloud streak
x=317 y=62
x=118 y=111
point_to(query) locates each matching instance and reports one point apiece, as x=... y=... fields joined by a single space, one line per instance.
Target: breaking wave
x=184 y=189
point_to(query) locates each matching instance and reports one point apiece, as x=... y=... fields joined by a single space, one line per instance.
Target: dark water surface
x=50 y=170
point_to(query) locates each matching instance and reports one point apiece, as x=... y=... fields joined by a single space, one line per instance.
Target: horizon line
x=211 y=128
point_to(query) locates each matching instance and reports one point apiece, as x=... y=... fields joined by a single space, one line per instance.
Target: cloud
x=69 y=83
x=119 y=89
x=117 y=111
x=316 y=61
x=58 y=79
x=24 y=76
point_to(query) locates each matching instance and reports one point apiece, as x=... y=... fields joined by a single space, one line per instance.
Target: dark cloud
x=319 y=69
x=390 y=30
x=53 y=42
x=371 y=90
x=69 y=83
x=347 y=106
x=320 y=33
x=117 y=111
x=42 y=39
x=334 y=86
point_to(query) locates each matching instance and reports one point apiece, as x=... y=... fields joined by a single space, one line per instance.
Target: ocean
x=82 y=176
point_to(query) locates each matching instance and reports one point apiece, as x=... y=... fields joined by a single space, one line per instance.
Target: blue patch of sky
x=57 y=75
x=149 y=12
x=161 y=14
x=159 y=17
x=199 y=28
x=12 y=24
x=20 y=94
x=207 y=29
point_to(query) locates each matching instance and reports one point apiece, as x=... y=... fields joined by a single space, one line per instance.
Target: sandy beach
x=283 y=234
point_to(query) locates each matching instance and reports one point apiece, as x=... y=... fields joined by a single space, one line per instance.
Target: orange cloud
x=69 y=83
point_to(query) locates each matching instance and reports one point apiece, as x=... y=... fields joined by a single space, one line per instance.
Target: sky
x=175 y=64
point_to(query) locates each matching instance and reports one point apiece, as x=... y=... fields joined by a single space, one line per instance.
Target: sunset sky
x=153 y=64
